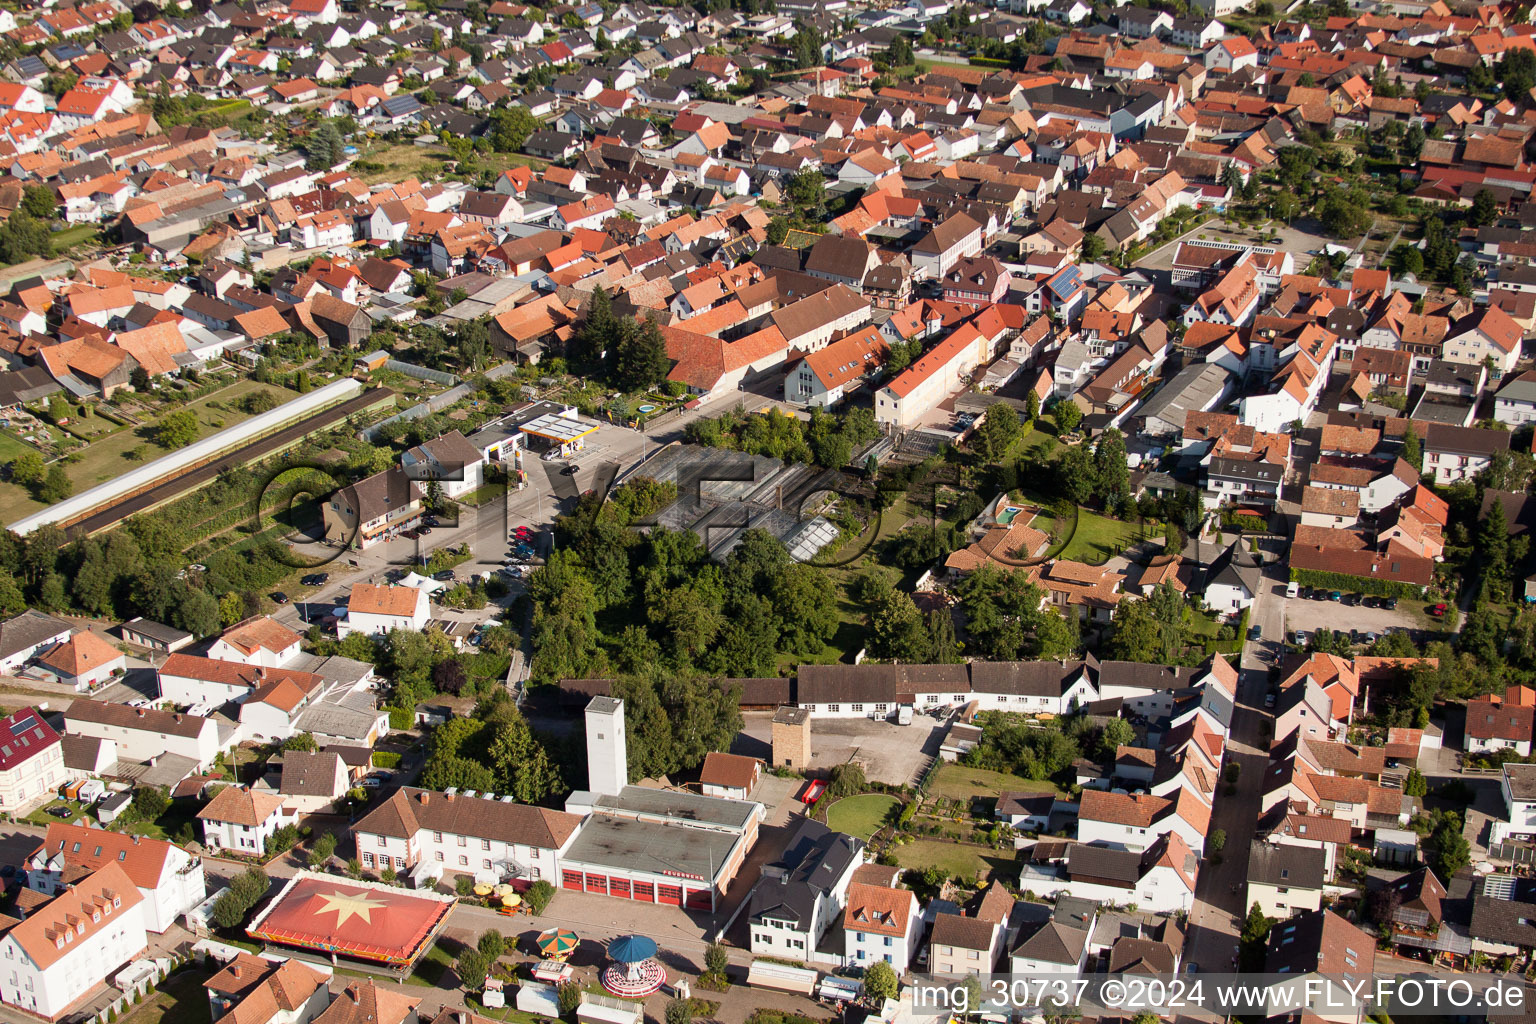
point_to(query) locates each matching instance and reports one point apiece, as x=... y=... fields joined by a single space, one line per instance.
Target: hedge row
x=1233 y=646
x=1356 y=584
x=386 y=758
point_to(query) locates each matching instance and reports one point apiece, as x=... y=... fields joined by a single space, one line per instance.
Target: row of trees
x=829 y=439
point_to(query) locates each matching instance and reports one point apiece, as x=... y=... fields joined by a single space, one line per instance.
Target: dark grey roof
x=1089 y=860
x=1283 y=864
x=28 y=629
x=1246 y=469
x=810 y=867
x=1053 y=942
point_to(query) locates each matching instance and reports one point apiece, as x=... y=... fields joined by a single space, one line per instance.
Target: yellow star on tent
x=346 y=905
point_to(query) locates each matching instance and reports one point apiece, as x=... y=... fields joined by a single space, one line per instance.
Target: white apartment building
x=880 y=923
x=466 y=833
x=31 y=762
x=144 y=734
x=169 y=878
x=64 y=949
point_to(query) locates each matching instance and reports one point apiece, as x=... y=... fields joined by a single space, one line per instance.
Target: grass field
x=12 y=446
x=399 y=160
x=108 y=457
x=956 y=860
x=1098 y=538
x=68 y=238
x=861 y=816
x=957 y=782
x=179 y=1001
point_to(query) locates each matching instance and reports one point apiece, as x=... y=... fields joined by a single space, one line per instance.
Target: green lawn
x=1099 y=538
x=76 y=810
x=861 y=816
x=956 y=859
x=107 y=457
x=180 y=1000
x=957 y=782
x=70 y=237
x=12 y=447
x=430 y=969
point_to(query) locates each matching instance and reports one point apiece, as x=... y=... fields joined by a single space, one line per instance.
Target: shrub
x=401 y=719
x=538 y=896
x=386 y=759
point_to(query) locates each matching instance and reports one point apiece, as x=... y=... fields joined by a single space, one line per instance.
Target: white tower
x=607 y=752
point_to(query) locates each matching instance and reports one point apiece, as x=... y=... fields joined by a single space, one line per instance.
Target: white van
x=1292 y=589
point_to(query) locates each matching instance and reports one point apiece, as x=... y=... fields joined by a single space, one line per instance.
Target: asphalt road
x=1216 y=920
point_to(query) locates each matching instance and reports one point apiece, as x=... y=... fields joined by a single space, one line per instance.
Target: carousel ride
x=635 y=972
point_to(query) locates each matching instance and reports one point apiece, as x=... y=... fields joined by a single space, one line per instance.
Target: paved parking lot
x=1314 y=615
x=890 y=753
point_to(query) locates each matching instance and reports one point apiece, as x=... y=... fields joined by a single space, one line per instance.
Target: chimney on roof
x=422 y=797
x=234 y=971
x=139 y=712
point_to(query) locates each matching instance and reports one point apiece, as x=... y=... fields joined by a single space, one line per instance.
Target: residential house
x=1453 y=453
x=241 y=820
x=1284 y=880
x=259 y=641
x=31 y=762
x=373 y=510
x=169 y=878
x=374 y=610
x=1496 y=722
x=85 y=661
x=64 y=950
x=802 y=894
x=449 y=463
x=148 y=734
x=880 y=922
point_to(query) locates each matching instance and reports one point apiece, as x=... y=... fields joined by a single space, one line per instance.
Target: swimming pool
x=645 y=408
x=1008 y=512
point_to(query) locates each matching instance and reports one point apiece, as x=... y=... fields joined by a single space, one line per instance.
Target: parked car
x=1439 y=610
x=1299 y=638
x=1255 y=632
x=1335 y=595
x=316 y=579
x=1319 y=594
x=422 y=531
x=1389 y=603
x=1269 y=699
x=372 y=782
x=279 y=597
x=60 y=811
x=443 y=577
